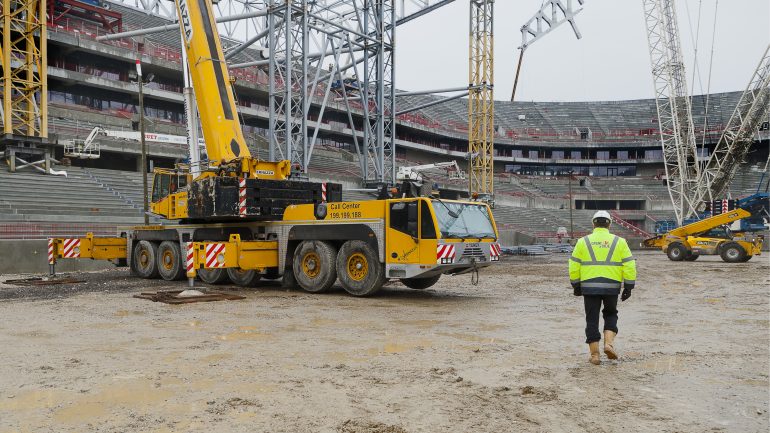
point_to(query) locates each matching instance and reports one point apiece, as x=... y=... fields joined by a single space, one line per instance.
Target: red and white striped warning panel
x=323 y=192
x=494 y=252
x=213 y=252
x=445 y=254
x=70 y=248
x=242 y=197
x=51 y=260
x=190 y=258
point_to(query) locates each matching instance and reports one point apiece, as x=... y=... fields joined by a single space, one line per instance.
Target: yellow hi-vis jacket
x=600 y=262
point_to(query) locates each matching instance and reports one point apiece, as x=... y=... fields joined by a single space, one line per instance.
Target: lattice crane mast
x=753 y=108
x=677 y=132
x=481 y=104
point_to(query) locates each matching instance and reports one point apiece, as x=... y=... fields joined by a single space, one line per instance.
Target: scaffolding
x=361 y=43
x=318 y=53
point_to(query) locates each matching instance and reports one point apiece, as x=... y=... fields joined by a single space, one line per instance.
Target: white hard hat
x=602 y=214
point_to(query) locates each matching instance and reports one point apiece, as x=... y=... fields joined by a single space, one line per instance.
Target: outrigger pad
x=219 y=197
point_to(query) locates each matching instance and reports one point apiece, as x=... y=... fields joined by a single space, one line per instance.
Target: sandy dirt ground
x=505 y=356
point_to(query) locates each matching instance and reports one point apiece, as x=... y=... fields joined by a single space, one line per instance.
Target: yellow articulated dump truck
x=361 y=244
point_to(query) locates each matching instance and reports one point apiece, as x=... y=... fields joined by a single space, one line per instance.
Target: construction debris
x=536 y=250
x=187 y=296
x=39 y=281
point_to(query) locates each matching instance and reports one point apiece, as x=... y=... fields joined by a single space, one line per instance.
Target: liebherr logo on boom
x=184 y=15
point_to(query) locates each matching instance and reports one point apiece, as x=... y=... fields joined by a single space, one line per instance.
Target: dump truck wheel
x=732 y=252
x=420 y=283
x=213 y=276
x=170 y=264
x=359 y=269
x=243 y=277
x=676 y=252
x=747 y=258
x=144 y=259
x=692 y=257
x=314 y=267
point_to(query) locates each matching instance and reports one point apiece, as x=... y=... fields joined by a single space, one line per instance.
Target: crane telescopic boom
x=225 y=143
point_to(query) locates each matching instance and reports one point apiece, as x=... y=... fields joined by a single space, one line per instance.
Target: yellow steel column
x=481 y=105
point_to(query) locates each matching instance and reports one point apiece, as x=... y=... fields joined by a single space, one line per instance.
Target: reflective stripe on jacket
x=600 y=262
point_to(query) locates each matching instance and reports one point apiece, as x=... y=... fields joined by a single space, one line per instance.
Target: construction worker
x=600 y=263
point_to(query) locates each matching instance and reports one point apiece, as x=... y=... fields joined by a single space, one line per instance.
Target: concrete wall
x=31 y=256
x=511 y=238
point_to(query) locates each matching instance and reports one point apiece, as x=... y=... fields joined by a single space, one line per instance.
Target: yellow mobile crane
x=243 y=219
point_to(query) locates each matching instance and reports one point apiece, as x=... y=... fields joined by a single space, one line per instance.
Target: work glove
x=626 y=294
x=576 y=290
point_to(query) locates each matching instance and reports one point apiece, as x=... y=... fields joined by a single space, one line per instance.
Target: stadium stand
x=77 y=198
x=551 y=137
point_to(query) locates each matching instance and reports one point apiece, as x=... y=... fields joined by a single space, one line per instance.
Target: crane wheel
x=420 y=283
x=314 y=265
x=732 y=252
x=243 y=278
x=170 y=263
x=359 y=269
x=213 y=276
x=691 y=257
x=747 y=258
x=144 y=259
x=677 y=252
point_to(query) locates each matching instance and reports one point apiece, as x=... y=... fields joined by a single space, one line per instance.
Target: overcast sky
x=610 y=62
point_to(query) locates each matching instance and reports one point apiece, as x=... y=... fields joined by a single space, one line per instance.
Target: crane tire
x=359 y=269
x=171 y=265
x=732 y=252
x=691 y=257
x=314 y=265
x=213 y=276
x=143 y=259
x=420 y=283
x=747 y=258
x=242 y=277
x=677 y=252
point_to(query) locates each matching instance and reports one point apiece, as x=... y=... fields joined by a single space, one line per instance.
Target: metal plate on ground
x=172 y=297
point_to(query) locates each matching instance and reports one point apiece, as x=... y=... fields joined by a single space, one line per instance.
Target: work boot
x=594 y=347
x=609 y=348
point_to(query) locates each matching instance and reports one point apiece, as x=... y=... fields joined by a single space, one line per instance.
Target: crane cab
x=169 y=193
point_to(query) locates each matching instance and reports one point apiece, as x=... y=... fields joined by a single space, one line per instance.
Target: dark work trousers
x=610 y=312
